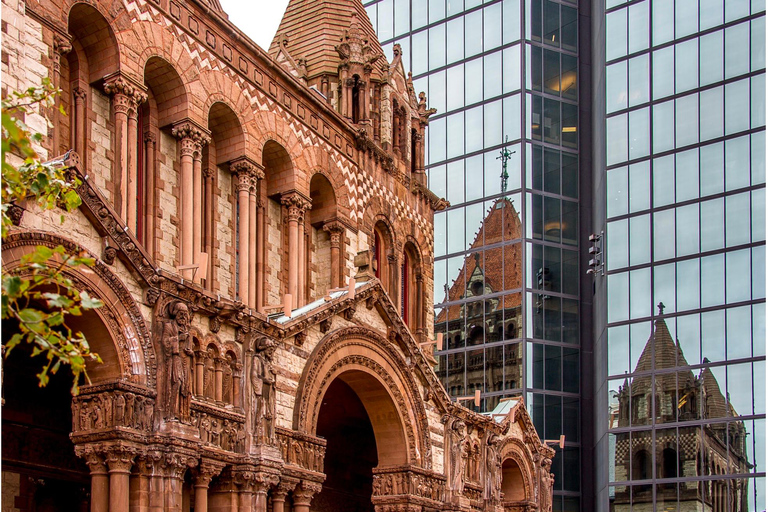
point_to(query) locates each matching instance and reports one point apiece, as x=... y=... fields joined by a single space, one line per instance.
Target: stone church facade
x=262 y=232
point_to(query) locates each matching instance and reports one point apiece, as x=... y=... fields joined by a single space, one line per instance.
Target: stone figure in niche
x=459 y=446
x=119 y=409
x=173 y=335
x=493 y=469
x=263 y=386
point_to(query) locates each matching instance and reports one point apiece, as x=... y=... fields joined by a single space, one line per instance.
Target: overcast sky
x=258 y=19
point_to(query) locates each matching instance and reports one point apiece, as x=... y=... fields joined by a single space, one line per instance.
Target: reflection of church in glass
x=685 y=451
x=480 y=314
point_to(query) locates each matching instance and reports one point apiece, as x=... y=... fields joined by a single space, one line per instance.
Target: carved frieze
x=301 y=450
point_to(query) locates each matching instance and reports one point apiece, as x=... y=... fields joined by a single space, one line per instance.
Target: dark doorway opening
x=350 y=454
x=38 y=458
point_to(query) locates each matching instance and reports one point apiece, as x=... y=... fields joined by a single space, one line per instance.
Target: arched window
x=641 y=465
x=411 y=289
x=382 y=250
x=356 y=99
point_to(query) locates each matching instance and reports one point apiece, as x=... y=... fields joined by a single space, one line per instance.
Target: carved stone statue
x=119 y=409
x=263 y=386
x=173 y=335
x=493 y=470
x=458 y=447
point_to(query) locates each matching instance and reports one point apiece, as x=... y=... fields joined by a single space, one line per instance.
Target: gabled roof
x=502 y=222
x=314 y=28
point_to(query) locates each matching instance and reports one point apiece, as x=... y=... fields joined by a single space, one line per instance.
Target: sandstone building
x=263 y=240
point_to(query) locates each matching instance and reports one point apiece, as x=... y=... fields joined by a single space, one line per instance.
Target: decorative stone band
x=301 y=450
x=417 y=485
x=218 y=428
x=100 y=409
x=297 y=204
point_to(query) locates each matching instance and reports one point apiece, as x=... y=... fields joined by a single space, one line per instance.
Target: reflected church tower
x=689 y=451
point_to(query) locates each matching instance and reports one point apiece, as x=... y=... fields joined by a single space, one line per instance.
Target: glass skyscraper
x=641 y=123
x=680 y=356
x=503 y=75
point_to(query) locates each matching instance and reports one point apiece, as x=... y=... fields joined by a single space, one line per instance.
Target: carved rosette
x=297 y=205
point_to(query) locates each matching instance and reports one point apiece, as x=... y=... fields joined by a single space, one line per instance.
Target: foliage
x=38 y=294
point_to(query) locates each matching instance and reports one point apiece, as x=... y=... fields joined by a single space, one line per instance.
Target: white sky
x=259 y=19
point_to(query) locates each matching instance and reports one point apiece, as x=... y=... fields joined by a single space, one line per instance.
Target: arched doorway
x=512 y=483
x=363 y=430
x=38 y=457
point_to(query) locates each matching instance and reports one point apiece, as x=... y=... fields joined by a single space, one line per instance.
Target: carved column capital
x=120 y=459
x=304 y=493
x=94 y=458
x=61 y=44
x=208 y=173
x=246 y=166
x=335 y=228
x=150 y=137
x=206 y=471
x=192 y=137
x=126 y=94
x=297 y=205
x=281 y=490
x=175 y=464
x=148 y=462
x=79 y=93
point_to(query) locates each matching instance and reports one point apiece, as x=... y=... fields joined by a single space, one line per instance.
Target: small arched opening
x=411 y=289
x=324 y=239
x=227 y=144
x=512 y=483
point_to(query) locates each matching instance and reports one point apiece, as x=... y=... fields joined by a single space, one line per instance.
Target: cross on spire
x=661 y=308
x=505 y=155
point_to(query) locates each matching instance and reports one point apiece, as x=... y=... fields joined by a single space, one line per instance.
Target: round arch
x=119 y=332
x=89 y=26
x=380 y=377
x=517 y=481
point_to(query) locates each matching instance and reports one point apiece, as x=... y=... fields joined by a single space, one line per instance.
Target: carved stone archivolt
x=360 y=340
x=121 y=315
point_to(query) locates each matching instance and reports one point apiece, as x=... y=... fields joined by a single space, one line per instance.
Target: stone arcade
x=229 y=197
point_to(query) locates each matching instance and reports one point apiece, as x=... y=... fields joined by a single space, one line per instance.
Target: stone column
x=99 y=478
x=260 y=489
x=237 y=373
x=208 y=209
x=219 y=380
x=78 y=134
x=303 y=251
x=279 y=493
x=191 y=139
x=198 y=204
x=302 y=495
x=419 y=307
x=61 y=46
x=362 y=99
x=245 y=481
x=141 y=482
x=119 y=460
x=335 y=229
x=200 y=356
x=174 y=466
x=253 y=229
x=205 y=472
x=296 y=204
x=127 y=95
x=260 y=216
x=150 y=143
x=245 y=170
